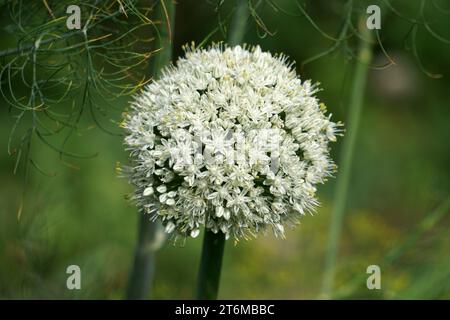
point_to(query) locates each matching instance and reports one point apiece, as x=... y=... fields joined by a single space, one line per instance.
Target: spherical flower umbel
x=230 y=139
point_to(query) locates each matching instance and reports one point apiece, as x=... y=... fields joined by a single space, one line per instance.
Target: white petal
x=163 y=198
x=170 y=227
x=161 y=189
x=219 y=211
x=280 y=228
x=148 y=191
x=195 y=233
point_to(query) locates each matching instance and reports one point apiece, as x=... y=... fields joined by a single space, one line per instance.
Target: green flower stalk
x=210 y=265
x=362 y=65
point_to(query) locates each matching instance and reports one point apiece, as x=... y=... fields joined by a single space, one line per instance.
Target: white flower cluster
x=230 y=139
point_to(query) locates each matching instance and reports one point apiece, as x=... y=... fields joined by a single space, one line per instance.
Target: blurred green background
x=400 y=177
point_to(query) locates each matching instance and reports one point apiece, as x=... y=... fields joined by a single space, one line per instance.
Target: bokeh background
x=397 y=209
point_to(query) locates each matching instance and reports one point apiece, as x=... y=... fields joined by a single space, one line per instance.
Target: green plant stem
x=340 y=195
x=141 y=276
x=149 y=241
x=210 y=265
x=238 y=23
x=213 y=244
x=165 y=17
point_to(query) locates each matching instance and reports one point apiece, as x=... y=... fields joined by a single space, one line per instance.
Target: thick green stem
x=238 y=23
x=213 y=244
x=345 y=163
x=210 y=265
x=149 y=241
x=165 y=17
